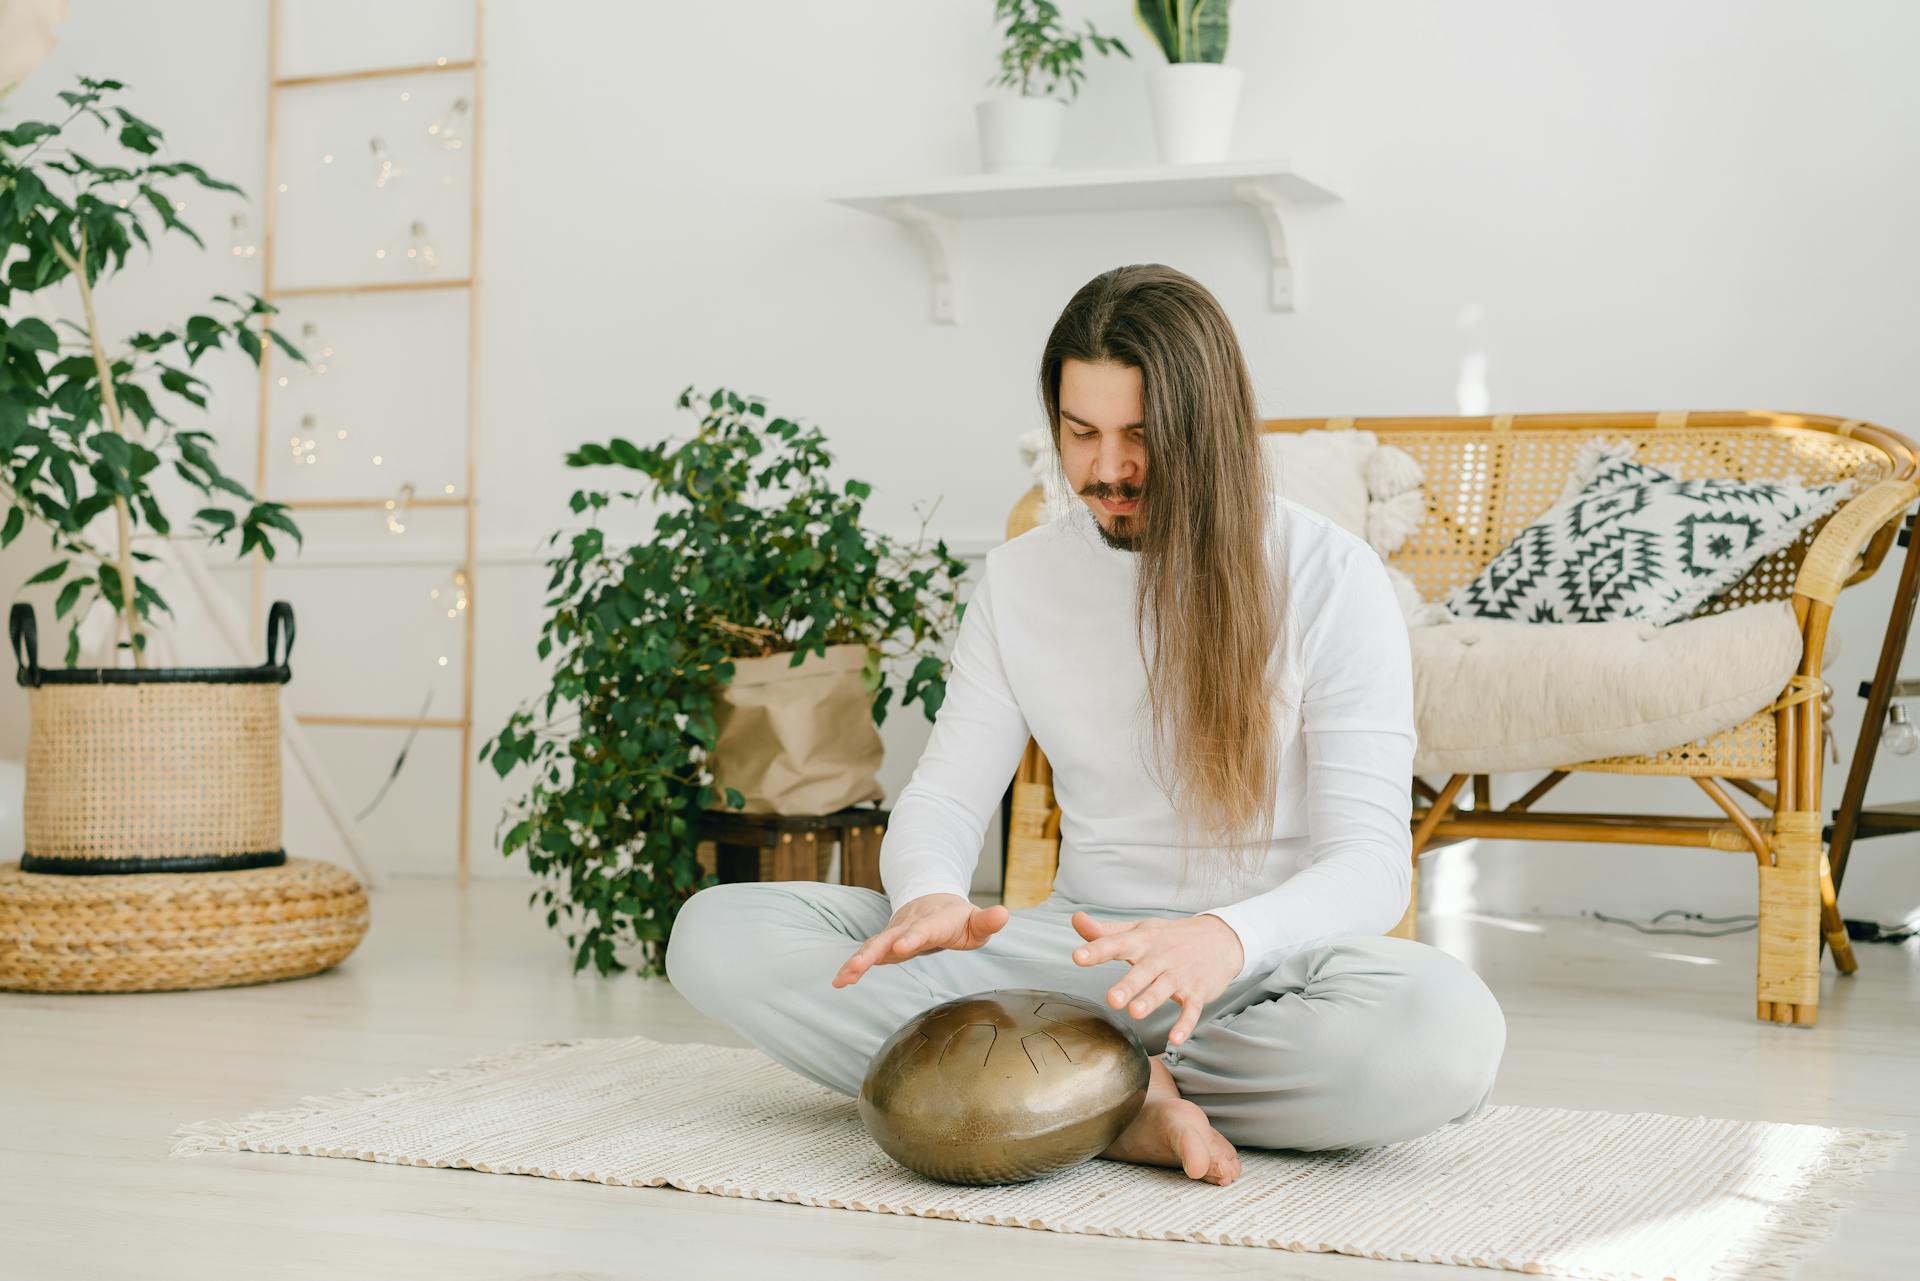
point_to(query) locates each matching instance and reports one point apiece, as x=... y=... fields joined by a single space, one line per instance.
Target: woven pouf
x=158 y=933
x=151 y=826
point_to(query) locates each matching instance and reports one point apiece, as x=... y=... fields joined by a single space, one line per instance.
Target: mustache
x=1120 y=493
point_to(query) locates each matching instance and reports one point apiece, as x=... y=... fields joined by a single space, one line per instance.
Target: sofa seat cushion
x=1492 y=695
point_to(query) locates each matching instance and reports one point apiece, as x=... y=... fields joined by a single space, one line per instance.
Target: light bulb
x=448 y=129
x=422 y=251
x=240 y=242
x=385 y=170
x=1902 y=736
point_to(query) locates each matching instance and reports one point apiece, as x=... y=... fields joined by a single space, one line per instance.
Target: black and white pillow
x=1626 y=540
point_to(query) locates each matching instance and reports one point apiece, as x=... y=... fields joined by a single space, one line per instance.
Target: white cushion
x=1364 y=487
x=1324 y=470
x=1493 y=695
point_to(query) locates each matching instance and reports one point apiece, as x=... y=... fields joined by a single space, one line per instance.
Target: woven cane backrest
x=1489 y=478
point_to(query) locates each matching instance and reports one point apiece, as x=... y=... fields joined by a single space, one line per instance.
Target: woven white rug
x=1542 y=1190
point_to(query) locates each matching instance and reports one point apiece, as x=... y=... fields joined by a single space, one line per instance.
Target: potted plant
x=1195 y=96
x=756 y=562
x=163 y=781
x=1041 y=60
x=81 y=433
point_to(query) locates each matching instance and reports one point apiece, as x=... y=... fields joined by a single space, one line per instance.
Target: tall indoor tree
x=80 y=431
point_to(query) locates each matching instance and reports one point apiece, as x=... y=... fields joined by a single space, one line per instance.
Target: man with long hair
x=1222 y=683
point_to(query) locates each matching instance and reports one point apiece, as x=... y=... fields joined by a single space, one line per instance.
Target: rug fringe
x=200 y=1137
x=1805 y=1218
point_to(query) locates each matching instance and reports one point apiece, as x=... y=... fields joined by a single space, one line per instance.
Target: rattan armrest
x=1837 y=552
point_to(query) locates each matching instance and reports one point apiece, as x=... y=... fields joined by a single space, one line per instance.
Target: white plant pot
x=1019 y=133
x=1194 y=105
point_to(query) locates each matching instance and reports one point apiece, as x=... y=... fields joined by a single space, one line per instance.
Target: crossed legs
x=1348 y=1042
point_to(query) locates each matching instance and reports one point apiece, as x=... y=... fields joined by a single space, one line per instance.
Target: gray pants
x=1350 y=1042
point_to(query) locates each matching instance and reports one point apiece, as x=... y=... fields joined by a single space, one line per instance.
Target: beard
x=1124 y=535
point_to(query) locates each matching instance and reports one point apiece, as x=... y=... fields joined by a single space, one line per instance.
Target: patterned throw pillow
x=1627 y=540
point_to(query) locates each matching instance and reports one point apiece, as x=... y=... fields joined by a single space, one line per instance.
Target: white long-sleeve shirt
x=1047 y=648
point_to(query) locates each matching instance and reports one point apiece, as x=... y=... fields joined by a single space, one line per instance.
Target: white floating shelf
x=929 y=208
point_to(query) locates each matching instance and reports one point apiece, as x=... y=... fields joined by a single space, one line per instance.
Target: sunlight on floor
x=1682 y=956
x=1503 y=922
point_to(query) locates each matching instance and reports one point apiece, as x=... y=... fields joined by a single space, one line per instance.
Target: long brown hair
x=1210 y=600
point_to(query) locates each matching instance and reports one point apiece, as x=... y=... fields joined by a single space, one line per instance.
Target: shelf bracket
x=1266 y=202
x=932 y=232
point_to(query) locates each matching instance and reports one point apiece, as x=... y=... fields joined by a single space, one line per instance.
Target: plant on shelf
x=1044 y=62
x=80 y=432
x=1041 y=57
x=1186 y=30
x=754 y=552
x=1195 y=96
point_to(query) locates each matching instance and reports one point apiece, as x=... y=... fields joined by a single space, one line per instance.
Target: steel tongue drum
x=1003 y=1086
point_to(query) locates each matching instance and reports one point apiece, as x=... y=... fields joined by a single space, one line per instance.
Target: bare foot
x=1173 y=1132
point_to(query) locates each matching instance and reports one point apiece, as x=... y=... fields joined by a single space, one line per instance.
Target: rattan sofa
x=1487 y=479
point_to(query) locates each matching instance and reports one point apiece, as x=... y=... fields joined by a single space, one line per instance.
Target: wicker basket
x=172 y=769
x=152 y=830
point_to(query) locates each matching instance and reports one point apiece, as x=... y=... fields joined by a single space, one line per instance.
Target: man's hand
x=930 y=923
x=1192 y=960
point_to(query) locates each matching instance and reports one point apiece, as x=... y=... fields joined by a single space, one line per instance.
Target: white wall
x=1546 y=207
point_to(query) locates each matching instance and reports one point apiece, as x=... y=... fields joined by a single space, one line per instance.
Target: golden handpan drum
x=1003 y=1086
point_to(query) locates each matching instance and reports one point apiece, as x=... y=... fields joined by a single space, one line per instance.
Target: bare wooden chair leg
x=1831 y=925
x=1422 y=833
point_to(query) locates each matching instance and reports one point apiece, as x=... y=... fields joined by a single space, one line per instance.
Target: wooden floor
x=91 y=1086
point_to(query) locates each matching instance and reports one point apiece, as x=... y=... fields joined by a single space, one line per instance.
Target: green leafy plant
x=80 y=433
x=1186 y=30
x=1041 y=57
x=754 y=552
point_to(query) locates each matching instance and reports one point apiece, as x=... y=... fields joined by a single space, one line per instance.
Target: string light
x=384 y=170
x=318 y=349
x=422 y=251
x=447 y=128
x=303 y=446
x=240 y=242
x=397 y=509
x=454 y=589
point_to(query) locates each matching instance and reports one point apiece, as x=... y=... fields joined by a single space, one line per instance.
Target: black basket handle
x=281 y=614
x=24 y=635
